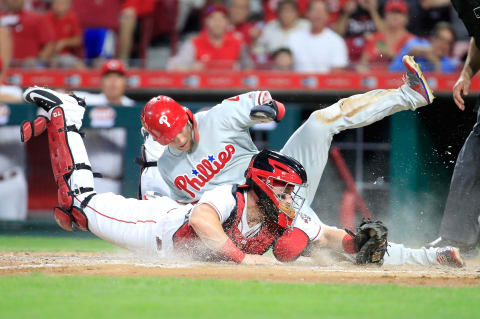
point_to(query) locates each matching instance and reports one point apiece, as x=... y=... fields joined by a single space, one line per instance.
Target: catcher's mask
x=163 y=118
x=277 y=180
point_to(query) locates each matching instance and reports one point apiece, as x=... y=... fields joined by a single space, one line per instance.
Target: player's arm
x=243 y=111
x=268 y=111
x=206 y=224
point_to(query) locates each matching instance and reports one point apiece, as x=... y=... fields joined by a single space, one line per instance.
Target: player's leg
x=324 y=236
x=311 y=142
x=128 y=223
x=398 y=254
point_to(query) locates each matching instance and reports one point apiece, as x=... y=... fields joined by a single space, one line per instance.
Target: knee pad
x=80 y=218
x=33 y=128
x=63 y=218
x=74 y=217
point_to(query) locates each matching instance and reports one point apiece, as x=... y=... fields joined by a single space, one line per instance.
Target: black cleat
x=48 y=99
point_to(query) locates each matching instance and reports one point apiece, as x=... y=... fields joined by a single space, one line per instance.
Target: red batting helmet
x=268 y=169
x=164 y=118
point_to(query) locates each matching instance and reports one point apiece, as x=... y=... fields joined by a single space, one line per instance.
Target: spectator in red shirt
x=213 y=48
x=68 y=35
x=32 y=36
x=382 y=47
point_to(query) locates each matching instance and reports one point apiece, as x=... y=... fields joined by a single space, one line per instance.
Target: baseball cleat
x=415 y=79
x=450 y=256
x=467 y=251
x=48 y=99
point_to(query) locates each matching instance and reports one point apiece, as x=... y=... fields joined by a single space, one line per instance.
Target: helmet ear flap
x=190 y=116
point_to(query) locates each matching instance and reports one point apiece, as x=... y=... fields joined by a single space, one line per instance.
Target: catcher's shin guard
x=67 y=161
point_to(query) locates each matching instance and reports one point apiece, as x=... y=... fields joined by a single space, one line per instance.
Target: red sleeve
x=290 y=245
x=76 y=30
x=46 y=32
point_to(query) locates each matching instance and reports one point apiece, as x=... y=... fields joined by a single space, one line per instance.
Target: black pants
x=460 y=219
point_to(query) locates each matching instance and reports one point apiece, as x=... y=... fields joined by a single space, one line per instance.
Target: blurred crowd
x=285 y=35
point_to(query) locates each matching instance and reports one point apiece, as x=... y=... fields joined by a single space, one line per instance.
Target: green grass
x=90 y=297
x=38 y=243
x=43 y=296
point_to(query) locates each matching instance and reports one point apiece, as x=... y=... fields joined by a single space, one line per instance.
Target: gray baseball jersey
x=222 y=156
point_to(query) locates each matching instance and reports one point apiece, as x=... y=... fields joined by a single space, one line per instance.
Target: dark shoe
x=48 y=99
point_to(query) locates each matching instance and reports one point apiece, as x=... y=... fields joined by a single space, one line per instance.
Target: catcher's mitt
x=370 y=242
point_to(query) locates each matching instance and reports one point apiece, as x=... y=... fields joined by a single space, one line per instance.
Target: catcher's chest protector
x=258 y=244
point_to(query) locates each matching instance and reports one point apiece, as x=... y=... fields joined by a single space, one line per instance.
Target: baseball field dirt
x=304 y=270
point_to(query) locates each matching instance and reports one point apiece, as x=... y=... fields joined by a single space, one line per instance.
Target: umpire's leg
x=460 y=220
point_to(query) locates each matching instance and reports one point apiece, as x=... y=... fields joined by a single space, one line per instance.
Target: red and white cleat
x=415 y=79
x=450 y=256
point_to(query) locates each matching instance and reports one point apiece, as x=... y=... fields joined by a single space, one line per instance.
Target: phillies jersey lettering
x=205 y=171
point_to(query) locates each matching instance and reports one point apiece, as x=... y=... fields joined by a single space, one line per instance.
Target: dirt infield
x=303 y=270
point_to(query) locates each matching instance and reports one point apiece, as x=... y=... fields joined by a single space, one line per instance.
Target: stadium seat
x=163 y=21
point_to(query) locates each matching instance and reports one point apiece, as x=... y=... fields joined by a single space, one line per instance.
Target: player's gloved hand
x=269 y=111
x=259 y=260
x=370 y=242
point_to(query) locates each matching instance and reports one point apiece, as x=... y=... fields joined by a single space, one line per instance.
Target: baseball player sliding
x=207 y=149
x=196 y=153
x=235 y=222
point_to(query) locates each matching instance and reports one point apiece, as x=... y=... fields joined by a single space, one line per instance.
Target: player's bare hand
x=461 y=89
x=259 y=260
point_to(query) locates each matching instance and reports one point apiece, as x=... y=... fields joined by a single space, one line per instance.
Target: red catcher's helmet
x=163 y=118
x=268 y=169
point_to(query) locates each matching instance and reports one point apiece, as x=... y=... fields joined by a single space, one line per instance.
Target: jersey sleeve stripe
x=116 y=219
x=320 y=231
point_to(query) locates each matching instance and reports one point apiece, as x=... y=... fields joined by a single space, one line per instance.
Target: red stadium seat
x=94 y=13
x=163 y=21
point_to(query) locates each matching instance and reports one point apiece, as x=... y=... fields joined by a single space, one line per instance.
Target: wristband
x=348 y=244
x=232 y=252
